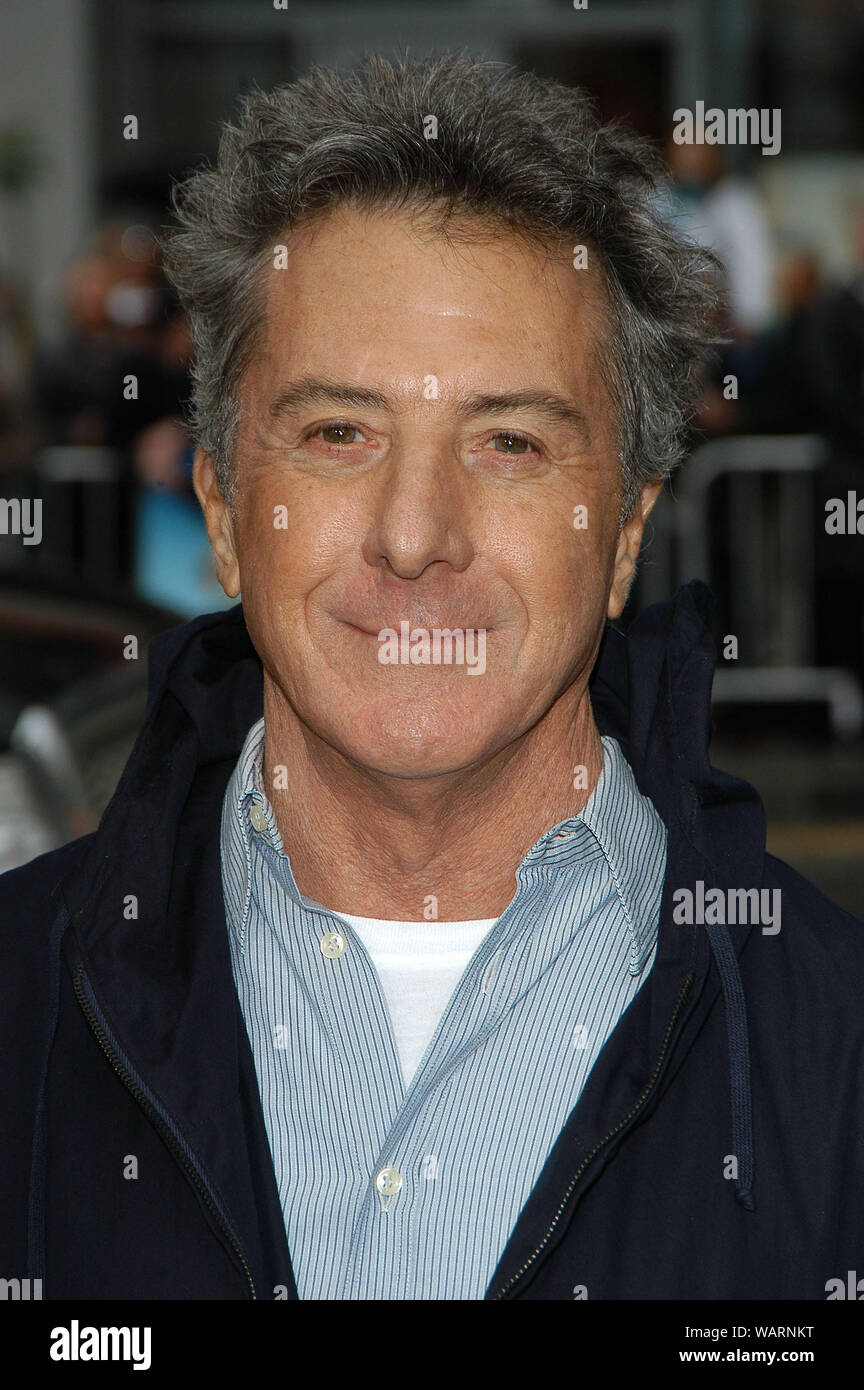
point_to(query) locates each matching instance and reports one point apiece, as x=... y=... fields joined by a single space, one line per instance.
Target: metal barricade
x=769 y=540
x=85 y=506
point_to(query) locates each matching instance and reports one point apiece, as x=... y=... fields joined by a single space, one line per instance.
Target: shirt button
x=388 y=1181
x=333 y=945
x=258 y=816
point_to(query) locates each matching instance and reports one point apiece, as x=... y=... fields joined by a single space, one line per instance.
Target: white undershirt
x=420 y=965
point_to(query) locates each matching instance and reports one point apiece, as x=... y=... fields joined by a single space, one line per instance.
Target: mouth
x=403 y=638
x=401 y=645
x=396 y=626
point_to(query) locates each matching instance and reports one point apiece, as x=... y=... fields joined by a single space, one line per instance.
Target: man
x=421 y=952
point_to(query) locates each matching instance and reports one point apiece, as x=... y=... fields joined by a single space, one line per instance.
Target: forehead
x=362 y=294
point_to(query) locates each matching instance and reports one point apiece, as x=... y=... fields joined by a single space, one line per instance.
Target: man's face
x=418 y=432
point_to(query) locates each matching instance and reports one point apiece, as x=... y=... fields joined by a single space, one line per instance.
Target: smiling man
x=445 y=509
x=382 y=977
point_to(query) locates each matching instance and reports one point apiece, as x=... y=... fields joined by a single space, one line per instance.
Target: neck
x=413 y=850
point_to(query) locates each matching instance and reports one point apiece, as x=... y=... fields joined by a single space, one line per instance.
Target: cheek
x=564 y=580
x=284 y=544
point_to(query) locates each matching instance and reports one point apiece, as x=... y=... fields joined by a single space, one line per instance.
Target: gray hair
x=520 y=152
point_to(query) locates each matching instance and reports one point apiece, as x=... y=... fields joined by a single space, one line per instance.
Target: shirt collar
x=244 y=797
x=247 y=783
x=616 y=821
x=631 y=833
x=624 y=826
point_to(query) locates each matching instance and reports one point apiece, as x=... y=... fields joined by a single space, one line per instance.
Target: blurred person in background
x=806 y=376
x=835 y=352
x=119 y=379
x=778 y=396
x=724 y=212
x=796 y=353
x=123 y=321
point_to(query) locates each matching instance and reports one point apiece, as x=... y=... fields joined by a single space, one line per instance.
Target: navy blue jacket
x=717 y=1150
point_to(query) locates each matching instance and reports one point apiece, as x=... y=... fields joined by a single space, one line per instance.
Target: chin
x=413 y=739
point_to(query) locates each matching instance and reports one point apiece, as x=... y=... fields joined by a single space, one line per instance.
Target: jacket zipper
x=160 y=1125
x=652 y=1082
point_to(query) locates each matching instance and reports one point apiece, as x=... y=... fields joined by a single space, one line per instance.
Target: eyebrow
x=305 y=391
x=310 y=389
x=558 y=409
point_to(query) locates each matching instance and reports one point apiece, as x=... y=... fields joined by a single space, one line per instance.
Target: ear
x=627 y=549
x=219 y=521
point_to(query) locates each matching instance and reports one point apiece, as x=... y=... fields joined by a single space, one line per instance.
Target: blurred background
x=104 y=102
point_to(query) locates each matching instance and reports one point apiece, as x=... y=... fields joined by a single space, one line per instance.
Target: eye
x=337 y=433
x=508 y=442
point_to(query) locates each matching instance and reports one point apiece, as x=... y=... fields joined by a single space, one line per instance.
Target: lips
x=395 y=625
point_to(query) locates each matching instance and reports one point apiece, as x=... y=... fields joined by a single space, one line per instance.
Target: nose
x=421 y=515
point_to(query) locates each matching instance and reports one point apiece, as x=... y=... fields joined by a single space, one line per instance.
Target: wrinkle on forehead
x=456 y=241
x=372 y=295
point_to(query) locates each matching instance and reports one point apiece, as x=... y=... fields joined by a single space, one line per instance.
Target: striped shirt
x=395 y=1193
